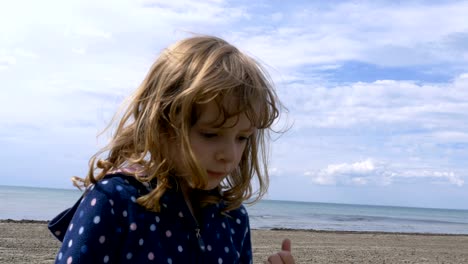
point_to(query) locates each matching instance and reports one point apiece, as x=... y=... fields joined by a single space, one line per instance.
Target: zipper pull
x=201 y=243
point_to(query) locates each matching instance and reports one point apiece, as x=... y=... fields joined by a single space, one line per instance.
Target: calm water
x=43 y=204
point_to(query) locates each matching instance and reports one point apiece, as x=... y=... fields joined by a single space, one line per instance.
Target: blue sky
x=377 y=91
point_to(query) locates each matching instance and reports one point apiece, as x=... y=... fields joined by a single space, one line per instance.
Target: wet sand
x=31 y=242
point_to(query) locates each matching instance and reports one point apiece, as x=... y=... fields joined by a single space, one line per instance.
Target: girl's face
x=219 y=149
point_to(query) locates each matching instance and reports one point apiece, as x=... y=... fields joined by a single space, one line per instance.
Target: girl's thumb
x=286 y=245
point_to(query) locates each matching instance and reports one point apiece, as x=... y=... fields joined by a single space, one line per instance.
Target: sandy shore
x=30 y=242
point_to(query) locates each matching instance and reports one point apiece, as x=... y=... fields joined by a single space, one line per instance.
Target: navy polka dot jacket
x=107 y=226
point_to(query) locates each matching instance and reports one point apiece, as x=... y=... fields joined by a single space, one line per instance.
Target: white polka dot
x=238 y=221
x=151 y=256
x=232 y=231
x=71 y=227
x=180 y=248
x=133 y=199
x=168 y=233
x=181 y=214
x=102 y=239
x=141 y=241
x=164 y=205
x=212 y=215
x=169 y=260
x=69 y=260
x=112 y=211
x=118 y=188
x=106 y=259
x=153 y=227
x=223 y=225
x=91 y=187
x=70 y=243
x=243 y=211
x=57 y=233
x=238 y=254
x=80 y=231
x=111 y=202
x=124 y=213
x=157 y=219
x=93 y=202
x=226 y=249
x=60 y=256
x=105 y=182
x=208 y=247
x=220 y=261
x=97 y=219
x=129 y=255
x=133 y=226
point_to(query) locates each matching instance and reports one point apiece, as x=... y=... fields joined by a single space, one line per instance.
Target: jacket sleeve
x=93 y=232
x=246 y=253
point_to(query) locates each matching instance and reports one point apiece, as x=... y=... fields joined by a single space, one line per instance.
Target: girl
x=179 y=165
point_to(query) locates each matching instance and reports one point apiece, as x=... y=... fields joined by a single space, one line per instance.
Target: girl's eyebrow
x=209 y=126
x=248 y=130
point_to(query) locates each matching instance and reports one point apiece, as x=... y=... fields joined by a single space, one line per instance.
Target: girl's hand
x=284 y=256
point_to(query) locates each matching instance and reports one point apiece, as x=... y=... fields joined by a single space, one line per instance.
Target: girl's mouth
x=215 y=174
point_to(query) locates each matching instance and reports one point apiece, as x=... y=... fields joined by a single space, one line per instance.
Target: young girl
x=179 y=166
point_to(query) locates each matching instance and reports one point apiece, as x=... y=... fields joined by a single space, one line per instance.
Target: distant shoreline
x=26 y=221
x=23 y=221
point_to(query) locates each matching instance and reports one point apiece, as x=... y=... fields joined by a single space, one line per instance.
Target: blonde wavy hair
x=192 y=72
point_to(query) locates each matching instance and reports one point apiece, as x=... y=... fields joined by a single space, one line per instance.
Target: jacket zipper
x=201 y=243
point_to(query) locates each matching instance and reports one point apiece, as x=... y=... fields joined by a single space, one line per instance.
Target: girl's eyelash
x=212 y=135
x=208 y=135
x=244 y=138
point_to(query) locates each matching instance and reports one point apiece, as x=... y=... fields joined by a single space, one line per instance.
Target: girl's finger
x=275 y=259
x=286 y=245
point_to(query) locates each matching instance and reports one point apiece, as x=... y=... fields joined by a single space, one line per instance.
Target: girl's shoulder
x=239 y=215
x=121 y=185
x=120 y=190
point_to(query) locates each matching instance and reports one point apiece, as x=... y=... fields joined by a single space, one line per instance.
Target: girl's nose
x=227 y=152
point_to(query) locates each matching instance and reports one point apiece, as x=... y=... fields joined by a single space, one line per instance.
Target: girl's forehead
x=210 y=114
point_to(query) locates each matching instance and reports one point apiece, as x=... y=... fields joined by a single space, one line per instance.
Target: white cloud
x=385 y=102
x=380 y=33
x=370 y=172
x=6 y=60
x=87 y=31
x=450 y=136
x=449 y=176
x=79 y=50
x=363 y=167
x=338 y=173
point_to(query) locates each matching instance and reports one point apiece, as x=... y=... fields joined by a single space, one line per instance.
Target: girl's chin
x=211 y=185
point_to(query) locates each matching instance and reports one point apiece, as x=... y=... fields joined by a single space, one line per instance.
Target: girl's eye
x=243 y=138
x=208 y=135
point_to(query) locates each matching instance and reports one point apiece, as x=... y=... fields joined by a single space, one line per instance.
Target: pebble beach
x=30 y=242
